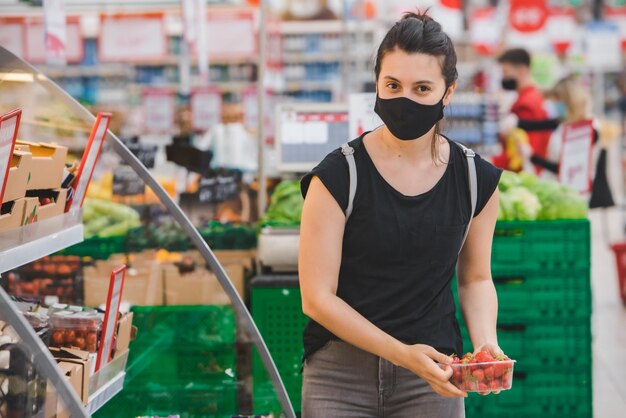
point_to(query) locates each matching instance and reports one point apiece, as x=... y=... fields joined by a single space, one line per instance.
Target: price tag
x=9 y=124
x=114 y=298
x=159 y=109
x=218 y=188
x=126 y=182
x=206 y=108
x=575 y=167
x=88 y=162
x=145 y=153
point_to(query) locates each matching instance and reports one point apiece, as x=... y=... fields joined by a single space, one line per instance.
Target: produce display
x=524 y=197
x=285 y=207
x=107 y=219
x=482 y=372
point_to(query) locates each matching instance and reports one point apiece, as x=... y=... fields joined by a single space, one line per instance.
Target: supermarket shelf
x=306 y=57
x=310 y=85
x=101 y=70
x=106 y=393
x=56 y=125
x=225 y=86
x=325 y=26
x=31 y=242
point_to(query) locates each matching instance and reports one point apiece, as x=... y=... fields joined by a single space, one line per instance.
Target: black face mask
x=509 y=84
x=407 y=119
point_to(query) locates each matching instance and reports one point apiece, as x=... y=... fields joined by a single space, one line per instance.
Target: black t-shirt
x=400 y=252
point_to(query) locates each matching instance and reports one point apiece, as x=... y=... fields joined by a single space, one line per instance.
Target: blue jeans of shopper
x=342 y=381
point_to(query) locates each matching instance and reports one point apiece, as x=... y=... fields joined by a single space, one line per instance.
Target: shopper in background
x=377 y=286
x=515 y=64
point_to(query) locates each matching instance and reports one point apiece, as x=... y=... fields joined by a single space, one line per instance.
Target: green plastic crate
x=562 y=244
x=549 y=345
x=97 y=248
x=205 y=325
x=537 y=394
x=540 y=294
x=188 y=401
x=277 y=312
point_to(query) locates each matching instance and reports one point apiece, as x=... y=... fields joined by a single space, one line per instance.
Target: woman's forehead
x=411 y=67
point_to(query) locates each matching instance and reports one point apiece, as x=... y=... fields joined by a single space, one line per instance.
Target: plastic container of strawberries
x=483 y=377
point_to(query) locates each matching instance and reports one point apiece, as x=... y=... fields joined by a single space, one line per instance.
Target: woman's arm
x=477 y=294
x=321 y=237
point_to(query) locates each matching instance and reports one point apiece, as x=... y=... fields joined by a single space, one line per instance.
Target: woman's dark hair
x=419 y=33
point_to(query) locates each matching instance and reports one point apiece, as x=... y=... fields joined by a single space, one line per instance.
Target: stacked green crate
x=277 y=311
x=541 y=271
x=182 y=362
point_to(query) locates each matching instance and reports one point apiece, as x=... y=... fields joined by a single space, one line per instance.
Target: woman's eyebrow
x=388 y=77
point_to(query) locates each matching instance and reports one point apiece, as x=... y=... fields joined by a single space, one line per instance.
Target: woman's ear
x=449 y=92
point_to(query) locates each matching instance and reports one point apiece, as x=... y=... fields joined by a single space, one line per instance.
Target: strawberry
x=482 y=387
x=479 y=375
x=484 y=356
x=467 y=358
x=495 y=385
x=489 y=372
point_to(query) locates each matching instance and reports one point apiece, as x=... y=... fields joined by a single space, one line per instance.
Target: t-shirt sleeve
x=488 y=178
x=334 y=175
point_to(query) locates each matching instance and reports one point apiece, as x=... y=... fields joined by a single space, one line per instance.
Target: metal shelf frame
x=47 y=363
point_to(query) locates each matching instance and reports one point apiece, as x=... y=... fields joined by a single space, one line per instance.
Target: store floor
x=609 y=315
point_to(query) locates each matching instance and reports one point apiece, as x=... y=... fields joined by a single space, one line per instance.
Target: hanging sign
x=206 y=108
x=603 y=45
x=114 y=299
x=88 y=162
x=144 y=153
x=528 y=15
x=9 y=125
x=12 y=34
x=55 y=32
x=561 y=27
x=450 y=16
x=35 y=40
x=189 y=21
x=219 y=188
x=575 y=166
x=250 y=103
x=452 y=4
x=485 y=30
x=159 y=109
x=361 y=115
x=132 y=38
x=231 y=34
x=617 y=15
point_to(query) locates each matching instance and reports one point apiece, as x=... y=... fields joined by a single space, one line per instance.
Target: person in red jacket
x=515 y=64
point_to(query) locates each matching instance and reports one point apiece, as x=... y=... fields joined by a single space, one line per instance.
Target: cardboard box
x=126 y=332
x=30 y=210
x=108 y=372
x=200 y=287
x=18 y=176
x=142 y=286
x=57 y=208
x=75 y=365
x=14 y=216
x=48 y=162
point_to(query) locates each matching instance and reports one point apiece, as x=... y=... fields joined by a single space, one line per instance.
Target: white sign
x=9 y=124
x=189 y=20
x=230 y=34
x=132 y=38
x=12 y=36
x=206 y=108
x=88 y=162
x=291 y=129
x=55 y=33
x=158 y=109
x=603 y=46
x=114 y=298
x=361 y=115
x=575 y=167
x=201 y=43
x=36 y=41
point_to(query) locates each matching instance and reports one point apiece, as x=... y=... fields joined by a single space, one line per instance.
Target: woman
x=377 y=286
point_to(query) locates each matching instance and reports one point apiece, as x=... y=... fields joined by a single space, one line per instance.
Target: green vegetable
x=285 y=205
x=508 y=180
x=525 y=204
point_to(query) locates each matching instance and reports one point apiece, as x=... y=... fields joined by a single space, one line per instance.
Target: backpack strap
x=473 y=186
x=348 y=152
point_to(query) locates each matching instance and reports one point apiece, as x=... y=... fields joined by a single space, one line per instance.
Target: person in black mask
x=516 y=76
x=376 y=279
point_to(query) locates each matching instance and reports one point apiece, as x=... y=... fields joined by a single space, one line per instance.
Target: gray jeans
x=341 y=380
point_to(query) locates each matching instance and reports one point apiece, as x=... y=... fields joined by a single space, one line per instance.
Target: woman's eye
x=423 y=89
x=392 y=86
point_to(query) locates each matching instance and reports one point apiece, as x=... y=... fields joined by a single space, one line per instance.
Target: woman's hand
x=495 y=352
x=422 y=360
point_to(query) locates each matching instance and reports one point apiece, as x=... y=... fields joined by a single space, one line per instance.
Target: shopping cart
x=620 y=257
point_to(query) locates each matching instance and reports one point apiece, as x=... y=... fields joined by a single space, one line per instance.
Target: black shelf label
x=145 y=153
x=126 y=182
x=218 y=188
